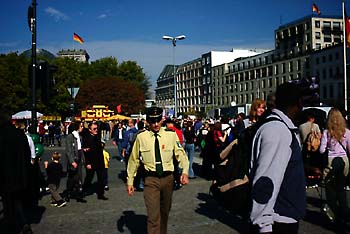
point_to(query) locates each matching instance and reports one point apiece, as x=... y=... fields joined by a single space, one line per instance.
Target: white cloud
x=102 y=16
x=58 y=15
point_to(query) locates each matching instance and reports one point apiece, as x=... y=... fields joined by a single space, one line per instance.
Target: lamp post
x=174 y=40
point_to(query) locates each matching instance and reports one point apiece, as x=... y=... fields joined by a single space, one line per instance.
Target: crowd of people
x=158 y=153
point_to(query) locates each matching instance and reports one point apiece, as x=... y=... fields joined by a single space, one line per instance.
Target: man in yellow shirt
x=154 y=149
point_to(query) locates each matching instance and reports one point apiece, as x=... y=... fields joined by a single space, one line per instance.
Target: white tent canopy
x=25 y=115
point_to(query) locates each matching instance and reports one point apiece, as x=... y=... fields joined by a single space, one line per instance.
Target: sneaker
x=328 y=212
x=106 y=188
x=53 y=203
x=61 y=203
x=347 y=188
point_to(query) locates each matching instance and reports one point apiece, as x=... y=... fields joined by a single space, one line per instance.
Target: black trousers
x=88 y=179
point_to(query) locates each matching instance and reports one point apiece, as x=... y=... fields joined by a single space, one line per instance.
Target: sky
x=133 y=30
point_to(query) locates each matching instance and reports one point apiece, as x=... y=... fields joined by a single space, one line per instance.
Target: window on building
x=270 y=82
x=324 y=74
x=317 y=61
x=317 y=24
x=337 y=55
x=337 y=38
x=318 y=46
x=325 y=96
x=291 y=66
x=298 y=65
x=327 y=25
x=327 y=37
x=317 y=35
x=276 y=69
x=323 y=59
x=330 y=73
x=283 y=68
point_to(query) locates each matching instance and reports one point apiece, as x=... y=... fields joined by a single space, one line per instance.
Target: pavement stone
x=193 y=210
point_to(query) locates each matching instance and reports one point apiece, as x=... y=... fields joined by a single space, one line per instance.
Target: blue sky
x=133 y=30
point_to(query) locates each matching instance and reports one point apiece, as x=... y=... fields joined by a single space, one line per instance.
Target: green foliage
x=111 y=91
x=14 y=87
x=103 y=82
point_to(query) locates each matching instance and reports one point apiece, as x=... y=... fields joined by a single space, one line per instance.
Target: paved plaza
x=193 y=211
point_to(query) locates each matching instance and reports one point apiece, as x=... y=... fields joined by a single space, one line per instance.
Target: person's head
x=93 y=128
x=217 y=126
x=336 y=124
x=154 y=118
x=240 y=116
x=140 y=125
x=56 y=156
x=257 y=109
x=131 y=123
x=311 y=117
x=75 y=126
x=289 y=99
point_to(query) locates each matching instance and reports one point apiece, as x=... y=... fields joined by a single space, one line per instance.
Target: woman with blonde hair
x=256 y=111
x=336 y=140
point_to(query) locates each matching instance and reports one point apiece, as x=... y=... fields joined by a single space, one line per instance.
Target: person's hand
x=46 y=163
x=114 y=143
x=130 y=189
x=74 y=164
x=88 y=167
x=184 y=179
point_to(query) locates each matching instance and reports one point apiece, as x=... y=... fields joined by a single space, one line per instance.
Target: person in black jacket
x=14 y=176
x=94 y=161
x=54 y=171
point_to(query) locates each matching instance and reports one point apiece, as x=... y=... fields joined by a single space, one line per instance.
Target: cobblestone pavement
x=193 y=210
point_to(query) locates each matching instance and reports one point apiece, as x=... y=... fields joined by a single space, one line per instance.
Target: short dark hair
x=287 y=95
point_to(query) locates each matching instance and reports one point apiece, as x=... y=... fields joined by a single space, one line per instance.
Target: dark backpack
x=232 y=188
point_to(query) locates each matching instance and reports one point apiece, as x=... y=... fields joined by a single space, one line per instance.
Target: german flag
x=347 y=29
x=315 y=9
x=77 y=38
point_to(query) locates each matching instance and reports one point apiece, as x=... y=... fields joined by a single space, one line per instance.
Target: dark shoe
x=102 y=198
x=61 y=203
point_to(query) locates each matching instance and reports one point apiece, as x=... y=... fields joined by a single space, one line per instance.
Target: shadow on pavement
x=136 y=224
x=213 y=210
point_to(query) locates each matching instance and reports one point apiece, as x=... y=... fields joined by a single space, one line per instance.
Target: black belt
x=154 y=174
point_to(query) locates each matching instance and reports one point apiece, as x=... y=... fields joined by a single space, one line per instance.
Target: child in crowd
x=54 y=171
x=106 y=160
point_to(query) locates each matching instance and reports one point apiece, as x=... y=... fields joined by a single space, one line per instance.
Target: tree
x=14 y=87
x=130 y=71
x=111 y=91
x=104 y=67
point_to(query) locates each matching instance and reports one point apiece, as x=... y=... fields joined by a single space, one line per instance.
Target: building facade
x=78 y=55
x=307 y=49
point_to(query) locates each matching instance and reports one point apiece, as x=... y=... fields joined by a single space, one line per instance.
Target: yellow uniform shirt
x=143 y=150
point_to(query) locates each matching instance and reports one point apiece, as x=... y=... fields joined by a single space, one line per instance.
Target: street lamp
x=173 y=40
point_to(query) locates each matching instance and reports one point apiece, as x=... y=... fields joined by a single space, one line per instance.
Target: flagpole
x=344 y=51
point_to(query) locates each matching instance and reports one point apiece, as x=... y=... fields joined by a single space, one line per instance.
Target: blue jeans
x=189 y=148
x=119 y=145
